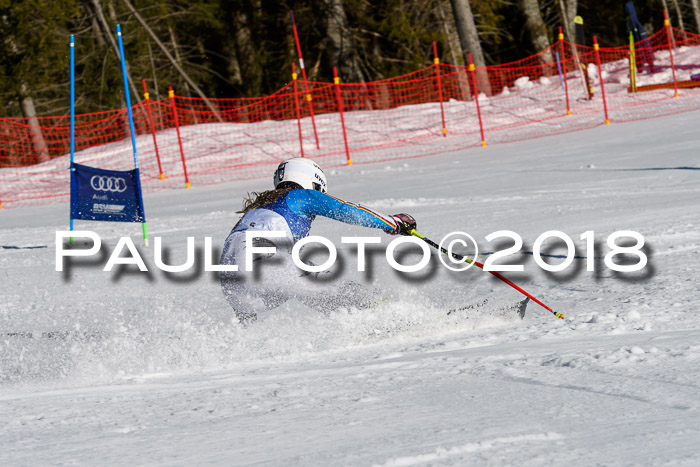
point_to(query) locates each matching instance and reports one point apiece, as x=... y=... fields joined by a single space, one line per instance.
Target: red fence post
x=153 y=130
x=336 y=80
x=303 y=74
x=171 y=95
x=296 y=107
x=667 y=25
x=436 y=60
x=562 y=59
x=476 y=99
x=600 y=76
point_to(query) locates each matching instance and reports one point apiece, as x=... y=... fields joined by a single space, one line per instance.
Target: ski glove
x=405 y=224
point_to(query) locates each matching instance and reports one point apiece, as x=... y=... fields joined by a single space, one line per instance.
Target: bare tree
x=107 y=32
x=668 y=15
x=170 y=57
x=153 y=69
x=234 y=68
x=244 y=55
x=176 y=50
x=678 y=13
x=27 y=106
x=29 y=112
x=536 y=27
x=696 y=13
x=455 y=48
x=469 y=38
x=341 y=46
x=567 y=10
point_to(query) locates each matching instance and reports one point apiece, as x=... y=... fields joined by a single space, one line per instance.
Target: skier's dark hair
x=257 y=200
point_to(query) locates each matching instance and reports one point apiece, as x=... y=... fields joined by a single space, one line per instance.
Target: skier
x=299 y=195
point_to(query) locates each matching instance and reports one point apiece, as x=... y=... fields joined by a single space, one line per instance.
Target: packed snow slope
x=150 y=368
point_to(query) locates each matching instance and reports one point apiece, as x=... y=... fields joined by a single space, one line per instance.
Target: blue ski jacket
x=299 y=207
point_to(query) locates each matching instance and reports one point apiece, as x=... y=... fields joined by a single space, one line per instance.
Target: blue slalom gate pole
x=561 y=75
x=132 y=130
x=72 y=98
x=72 y=116
x=126 y=94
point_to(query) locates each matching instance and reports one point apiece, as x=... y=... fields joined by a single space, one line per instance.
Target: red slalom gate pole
x=667 y=25
x=600 y=76
x=436 y=60
x=476 y=99
x=296 y=108
x=153 y=130
x=303 y=74
x=562 y=59
x=171 y=95
x=336 y=80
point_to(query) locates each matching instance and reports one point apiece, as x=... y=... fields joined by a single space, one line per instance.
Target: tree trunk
x=176 y=50
x=537 y=29
x=153 y=70
x=665 y=5
x=170 y=57
x=469 y=38
x=696 y=13
x=97 y=31
x=450 y=37
x=464 y=93
x=313 y=71
x=567 y=10
x=27 y=106
x=673 y=39
x=99 y=14
x=340 y=47
x=251 y=72
x=678 y=13
x=29 y=112
x=234 y=68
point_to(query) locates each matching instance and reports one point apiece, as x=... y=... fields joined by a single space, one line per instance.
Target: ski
x=473 y=306
x=518 y=307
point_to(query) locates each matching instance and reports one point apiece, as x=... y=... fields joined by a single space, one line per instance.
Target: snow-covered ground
x=151 y=369
x=224 y=152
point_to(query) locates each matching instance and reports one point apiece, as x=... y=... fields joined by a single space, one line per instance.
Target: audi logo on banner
x=108 y=184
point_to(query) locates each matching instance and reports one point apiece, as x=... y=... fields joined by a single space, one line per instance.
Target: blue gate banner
x=105 y=195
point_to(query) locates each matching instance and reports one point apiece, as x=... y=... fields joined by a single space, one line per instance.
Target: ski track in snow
x=150 y=368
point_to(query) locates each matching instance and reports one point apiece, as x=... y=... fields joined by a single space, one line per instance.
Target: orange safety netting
x=192 y=140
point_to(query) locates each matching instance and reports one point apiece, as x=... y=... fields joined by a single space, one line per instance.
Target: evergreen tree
x=245 y=48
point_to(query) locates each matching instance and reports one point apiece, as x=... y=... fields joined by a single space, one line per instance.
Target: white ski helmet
x=304 y=172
